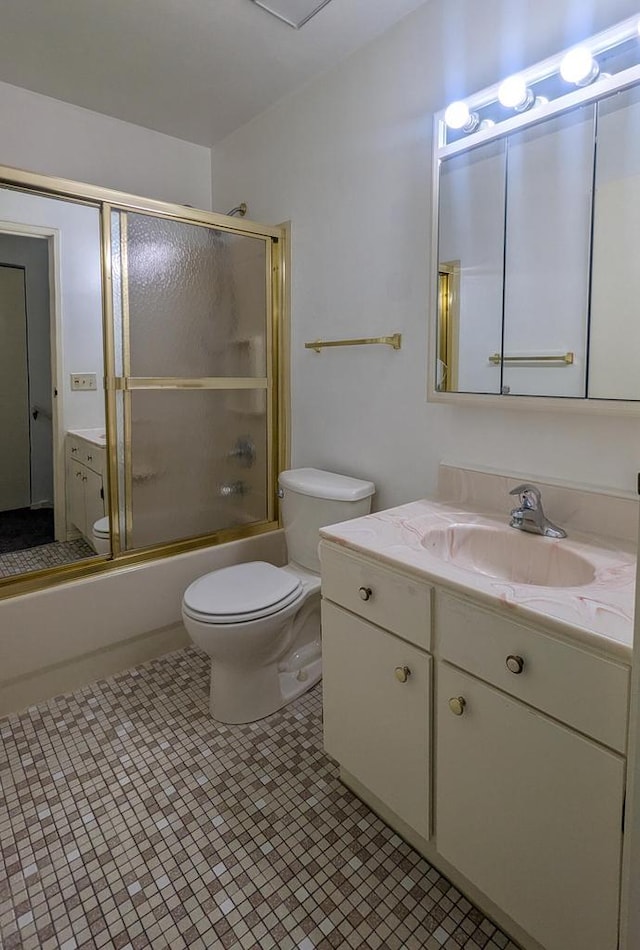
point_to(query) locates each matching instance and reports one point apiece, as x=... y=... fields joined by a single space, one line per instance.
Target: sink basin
x=509 y=555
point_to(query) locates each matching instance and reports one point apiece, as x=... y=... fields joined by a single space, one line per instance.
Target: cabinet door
x=94 y=501
x=531 y=813
x=374 y=725
x=75 y=495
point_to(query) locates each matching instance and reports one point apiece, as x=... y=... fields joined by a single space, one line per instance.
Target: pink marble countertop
x=598 y=614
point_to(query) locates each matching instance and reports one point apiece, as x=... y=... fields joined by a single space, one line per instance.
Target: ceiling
x=195 y=69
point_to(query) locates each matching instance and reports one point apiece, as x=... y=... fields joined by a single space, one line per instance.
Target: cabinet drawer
x=74 y=448
x=579 y=688
x=393 y=600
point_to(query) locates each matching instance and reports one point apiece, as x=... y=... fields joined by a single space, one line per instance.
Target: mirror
x=538 y=230
x=53 y=473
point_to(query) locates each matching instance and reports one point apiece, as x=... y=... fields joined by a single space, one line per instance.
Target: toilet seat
x=241 y=593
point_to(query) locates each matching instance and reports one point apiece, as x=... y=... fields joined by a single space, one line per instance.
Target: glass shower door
x=194 y=378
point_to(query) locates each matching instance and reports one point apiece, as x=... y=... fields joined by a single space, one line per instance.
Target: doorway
x=26 y=417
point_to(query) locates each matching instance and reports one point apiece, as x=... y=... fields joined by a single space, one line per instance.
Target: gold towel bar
x=566 y=358
x=395 y=341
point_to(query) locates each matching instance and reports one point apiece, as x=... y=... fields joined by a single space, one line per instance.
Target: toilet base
x=239 y=696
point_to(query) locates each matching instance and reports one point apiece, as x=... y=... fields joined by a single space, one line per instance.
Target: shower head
x=240 y=210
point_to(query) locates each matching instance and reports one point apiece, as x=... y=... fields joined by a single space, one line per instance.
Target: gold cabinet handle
x=515 y=664
x=402 y=673
x=365 y=593
x=457 y=704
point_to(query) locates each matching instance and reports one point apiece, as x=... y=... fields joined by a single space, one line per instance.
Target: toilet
x=101 y=536
x=260 y=624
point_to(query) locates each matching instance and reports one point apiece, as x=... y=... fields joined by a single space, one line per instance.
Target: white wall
x=45 y=135
x=348 y=160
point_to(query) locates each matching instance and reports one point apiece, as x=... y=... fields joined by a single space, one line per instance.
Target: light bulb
x=578 y=66
x=514 y=93
x=457 y=115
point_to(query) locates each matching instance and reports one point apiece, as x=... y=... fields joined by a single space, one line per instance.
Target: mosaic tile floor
x=130 y=819
x=43 y=556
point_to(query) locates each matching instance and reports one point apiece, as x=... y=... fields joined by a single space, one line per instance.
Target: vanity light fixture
x=457 y=116
x=579 y=67
x=560 y=82
x=513 y=93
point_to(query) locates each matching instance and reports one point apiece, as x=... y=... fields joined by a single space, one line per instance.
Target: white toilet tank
x=311 y=499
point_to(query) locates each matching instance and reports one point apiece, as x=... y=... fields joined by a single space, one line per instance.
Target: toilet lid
x=101 y=527
x=241 y=592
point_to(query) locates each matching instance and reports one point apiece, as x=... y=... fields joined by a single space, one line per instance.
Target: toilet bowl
x=101 y=536
x=260 y=624
x=264 y=641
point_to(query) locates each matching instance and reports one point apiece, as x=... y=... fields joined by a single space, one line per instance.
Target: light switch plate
x=84 y=381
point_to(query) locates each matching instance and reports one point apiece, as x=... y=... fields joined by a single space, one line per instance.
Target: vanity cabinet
x=85 y=471
x=377 y=682
x=525 y=770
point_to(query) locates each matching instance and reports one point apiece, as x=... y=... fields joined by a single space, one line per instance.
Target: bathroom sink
x=509 y=555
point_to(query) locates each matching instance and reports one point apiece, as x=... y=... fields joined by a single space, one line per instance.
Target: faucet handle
x=530 y=496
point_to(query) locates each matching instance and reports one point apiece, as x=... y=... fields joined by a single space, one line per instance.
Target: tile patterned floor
x=43 y=556
x=130 y=819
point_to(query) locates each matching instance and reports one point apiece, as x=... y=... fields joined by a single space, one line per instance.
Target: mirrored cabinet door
x=470 y=269
x=547 y=248
x=614 y=371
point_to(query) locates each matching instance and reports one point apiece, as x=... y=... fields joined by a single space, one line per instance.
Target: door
x=196 y=395
x=15 y=457
x=376 y=726
x=531 y=813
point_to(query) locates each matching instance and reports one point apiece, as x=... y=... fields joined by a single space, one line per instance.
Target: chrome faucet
x=529 y=516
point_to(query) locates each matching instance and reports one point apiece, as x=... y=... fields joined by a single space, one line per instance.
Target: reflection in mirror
x=615 y=291
x=51 y=482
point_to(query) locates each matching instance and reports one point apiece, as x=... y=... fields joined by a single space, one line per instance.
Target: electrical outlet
x=84 y=381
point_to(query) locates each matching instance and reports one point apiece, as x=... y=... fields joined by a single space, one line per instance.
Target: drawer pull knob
x=457 y=704
x=402 y=673
x=365 y=593
x=89 y=458
x=515 y=664
x=73 y=451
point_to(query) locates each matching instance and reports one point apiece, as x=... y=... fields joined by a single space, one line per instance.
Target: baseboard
x=25 y=691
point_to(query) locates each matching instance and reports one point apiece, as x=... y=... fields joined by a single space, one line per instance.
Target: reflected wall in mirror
x=50 y=330
x=538 y=231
